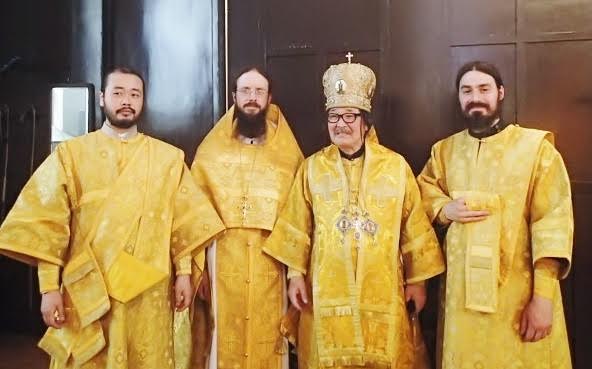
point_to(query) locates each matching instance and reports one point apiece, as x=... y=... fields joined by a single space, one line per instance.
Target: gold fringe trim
x=336 y=311
x=350 y=360
x=289 y=325
x=355 y=360
x=281 y=346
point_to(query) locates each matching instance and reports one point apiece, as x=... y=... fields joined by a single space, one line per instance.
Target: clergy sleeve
x=195 y=221
x=432 y=184
x=422 y=256
x=37 y=228
x=551 y=214
x=183 y=266
x=546 y=271
x=290 y=240
x=49 y=276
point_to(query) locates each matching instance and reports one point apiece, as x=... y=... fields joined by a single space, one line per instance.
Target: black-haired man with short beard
x=246 y=165
x=113 y=220
x=504 y=194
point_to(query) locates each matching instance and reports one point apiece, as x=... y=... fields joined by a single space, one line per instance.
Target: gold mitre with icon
x=349 y=85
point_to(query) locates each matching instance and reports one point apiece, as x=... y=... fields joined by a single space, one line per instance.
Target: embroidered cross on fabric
x=244 y=207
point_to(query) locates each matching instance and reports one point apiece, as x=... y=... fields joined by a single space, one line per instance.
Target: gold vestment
x=115 y=215
x=519 y=177
x=248 y=185
x=358 y=240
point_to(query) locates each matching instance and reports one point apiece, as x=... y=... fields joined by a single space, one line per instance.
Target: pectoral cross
x=349 y=57
x=358 y=226
x=244 y=207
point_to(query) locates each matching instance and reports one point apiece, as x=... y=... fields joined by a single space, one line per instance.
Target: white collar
x=119 y=133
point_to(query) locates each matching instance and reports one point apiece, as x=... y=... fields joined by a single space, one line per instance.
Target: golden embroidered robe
x=115 y=215
x=520 y=178
x=248 y=184
x=358 y=315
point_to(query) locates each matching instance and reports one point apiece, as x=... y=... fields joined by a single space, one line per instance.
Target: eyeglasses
x=348 y=118
x=247 y=91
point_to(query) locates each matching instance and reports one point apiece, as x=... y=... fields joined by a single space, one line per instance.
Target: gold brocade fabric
x=353 y=173
x=522 y=170
x=250 y=295
x=249 y=284
x=107 y=211
x=482 y=269
x=358 y=315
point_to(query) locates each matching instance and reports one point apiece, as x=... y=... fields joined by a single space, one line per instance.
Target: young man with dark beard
x=113 y=220
x=246 y=165
x=504 y=194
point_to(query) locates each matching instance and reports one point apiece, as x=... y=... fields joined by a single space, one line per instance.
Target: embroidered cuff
x=546 y=271
x=183 y=266
x=293 y=273
x=49 y=276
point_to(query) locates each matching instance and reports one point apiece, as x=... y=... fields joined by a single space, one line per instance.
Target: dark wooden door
x=544 y=51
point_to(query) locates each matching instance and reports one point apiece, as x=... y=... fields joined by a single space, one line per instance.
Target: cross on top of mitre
x=349 y=57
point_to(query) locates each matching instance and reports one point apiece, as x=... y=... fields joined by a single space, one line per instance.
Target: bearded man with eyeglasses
x=246 y=165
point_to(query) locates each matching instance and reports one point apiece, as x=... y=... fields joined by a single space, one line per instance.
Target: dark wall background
x=35 y=52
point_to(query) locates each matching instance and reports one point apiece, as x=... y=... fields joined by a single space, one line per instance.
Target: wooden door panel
x=579 y=307
x=294 y=26
x=297 y=90
x=351 y=24
x=557 y=96
x=480 y=21
x=555 y=18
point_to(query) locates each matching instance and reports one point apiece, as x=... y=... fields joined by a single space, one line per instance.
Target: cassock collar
x=353 y=156
x=499 y=126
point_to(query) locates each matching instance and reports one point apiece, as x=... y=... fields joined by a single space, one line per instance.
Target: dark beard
x=479 y=124
x=120 y=123
x=251 y=126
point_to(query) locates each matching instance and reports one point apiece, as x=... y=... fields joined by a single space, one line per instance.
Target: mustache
x=344 y=129
x=472 y=105
x=132 y=110
x=252 y=104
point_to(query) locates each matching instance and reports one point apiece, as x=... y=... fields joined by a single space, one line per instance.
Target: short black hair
x=121 y=69
x=250 y=68
x=480 y=66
